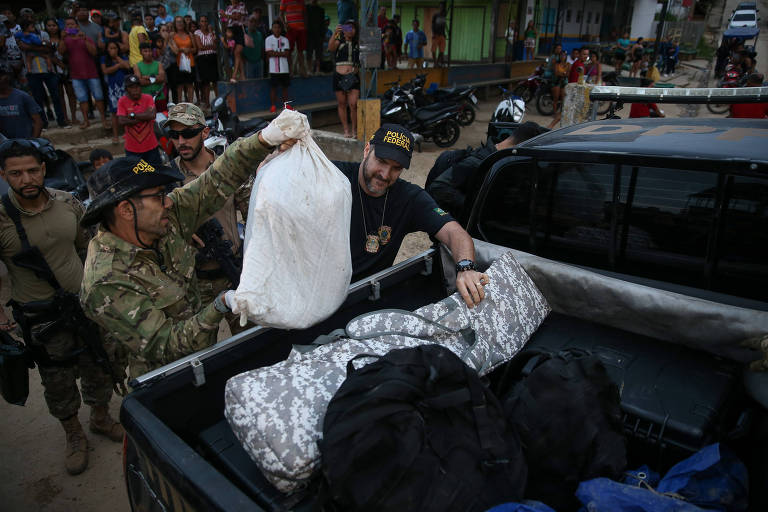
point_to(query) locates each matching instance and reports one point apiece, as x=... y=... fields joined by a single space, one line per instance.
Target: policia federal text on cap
x=139 y=283
x=386 y=208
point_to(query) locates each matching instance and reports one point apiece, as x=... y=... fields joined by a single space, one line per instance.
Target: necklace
x=383 y=234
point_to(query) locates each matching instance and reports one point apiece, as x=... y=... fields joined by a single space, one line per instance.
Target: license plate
x=473 y=98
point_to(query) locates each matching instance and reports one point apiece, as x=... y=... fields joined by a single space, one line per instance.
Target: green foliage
x=705 y=50
x=668 y=17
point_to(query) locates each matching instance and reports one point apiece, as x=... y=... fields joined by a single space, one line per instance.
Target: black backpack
x=418 y=430
x=566 y=410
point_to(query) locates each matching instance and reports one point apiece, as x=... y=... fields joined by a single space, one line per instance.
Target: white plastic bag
x=185 y=66
x=297 y=264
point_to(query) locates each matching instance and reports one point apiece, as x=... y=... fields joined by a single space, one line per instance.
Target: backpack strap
x=44 y=271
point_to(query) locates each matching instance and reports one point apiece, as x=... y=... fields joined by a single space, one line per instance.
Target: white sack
x=296 y=264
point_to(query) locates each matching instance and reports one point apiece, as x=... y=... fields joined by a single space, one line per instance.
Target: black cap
x=393 y=142
x=131 y=80
x=120 y=179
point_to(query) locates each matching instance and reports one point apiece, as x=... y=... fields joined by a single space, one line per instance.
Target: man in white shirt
x=278 y=49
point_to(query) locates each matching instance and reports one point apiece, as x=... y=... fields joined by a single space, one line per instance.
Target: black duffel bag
x=418 y=430
x=14 y=370
x=567 y=412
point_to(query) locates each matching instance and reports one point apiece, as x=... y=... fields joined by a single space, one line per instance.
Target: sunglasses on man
x=187 y=133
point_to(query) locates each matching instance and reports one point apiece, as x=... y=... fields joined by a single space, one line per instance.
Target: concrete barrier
x=337 y=147
x=576 y=105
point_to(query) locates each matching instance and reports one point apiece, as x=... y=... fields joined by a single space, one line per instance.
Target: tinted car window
x=663 y=225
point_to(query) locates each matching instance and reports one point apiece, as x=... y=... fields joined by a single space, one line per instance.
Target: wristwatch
x=133 y=115
x=465 y=265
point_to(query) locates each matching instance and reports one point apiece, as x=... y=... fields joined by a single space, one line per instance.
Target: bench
x=686 y=54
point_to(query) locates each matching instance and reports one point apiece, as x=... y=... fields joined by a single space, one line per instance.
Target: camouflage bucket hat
x=120 y=179
x=185 y=113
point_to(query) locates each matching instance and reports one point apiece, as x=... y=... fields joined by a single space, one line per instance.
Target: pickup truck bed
x=182 y=454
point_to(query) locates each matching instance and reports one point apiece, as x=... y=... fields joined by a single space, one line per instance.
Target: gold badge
x=372 y=243
x=385 y=233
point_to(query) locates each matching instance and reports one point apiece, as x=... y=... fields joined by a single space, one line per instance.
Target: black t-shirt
x=408 y=209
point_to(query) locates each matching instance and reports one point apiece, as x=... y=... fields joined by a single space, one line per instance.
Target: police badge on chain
x=385 y=233
x=372 y=243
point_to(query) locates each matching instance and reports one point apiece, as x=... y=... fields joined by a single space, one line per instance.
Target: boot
x=77 y=446
x=101 y=423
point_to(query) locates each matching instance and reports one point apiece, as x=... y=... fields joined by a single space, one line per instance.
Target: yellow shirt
x=133 y=42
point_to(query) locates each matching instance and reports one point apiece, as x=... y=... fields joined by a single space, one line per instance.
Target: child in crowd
x=278 y=50
x=28 y=36
x=99 y=157
x=115 y=68
x=234 y=48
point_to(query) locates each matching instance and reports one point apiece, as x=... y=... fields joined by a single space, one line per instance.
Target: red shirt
x=642 y=109
x=139 y=137
x=749 y=110
x=573 y=76
x=81 y=63
x=294 y=13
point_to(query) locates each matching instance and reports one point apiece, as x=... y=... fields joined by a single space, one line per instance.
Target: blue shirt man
x=19 y=114
x=415 y=41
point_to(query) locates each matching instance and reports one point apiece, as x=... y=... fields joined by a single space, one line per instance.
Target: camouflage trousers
x=60 y=382
x=209 y=290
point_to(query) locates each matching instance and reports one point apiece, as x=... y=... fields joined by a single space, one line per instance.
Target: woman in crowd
x=637 y=56
x=559 y=71
x=234 y=18
x=185 y=48
x=530 y=40
x=207 y=66
x=620 y=52
x=346 y=82
x=62 y=71
x=168 y=59
x=115 y=67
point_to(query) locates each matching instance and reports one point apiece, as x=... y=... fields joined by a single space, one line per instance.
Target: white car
x=743 y=18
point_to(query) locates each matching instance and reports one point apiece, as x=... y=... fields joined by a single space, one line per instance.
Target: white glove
x=229 y=299
x=290 y=124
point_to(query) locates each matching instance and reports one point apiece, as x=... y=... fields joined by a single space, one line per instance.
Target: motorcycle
x=437 y=123
x=732 y=77
x=528 y=88
x=511 y=108
x=461 y=95
x=226 y=127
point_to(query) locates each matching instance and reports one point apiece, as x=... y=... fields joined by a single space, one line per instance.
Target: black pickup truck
x=662 y=225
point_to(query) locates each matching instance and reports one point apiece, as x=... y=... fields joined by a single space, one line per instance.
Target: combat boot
x=102 y=423
x=77 y=446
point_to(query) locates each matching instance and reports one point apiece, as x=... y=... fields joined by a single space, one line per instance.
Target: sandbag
x=418 y=430
x=277 y=412
x=296 y=264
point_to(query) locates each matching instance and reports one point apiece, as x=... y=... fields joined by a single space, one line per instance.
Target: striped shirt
x=294 y=13
x=206 y=39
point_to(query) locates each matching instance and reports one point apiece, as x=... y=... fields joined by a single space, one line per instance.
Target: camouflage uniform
x=148 y=301
x=55 y=231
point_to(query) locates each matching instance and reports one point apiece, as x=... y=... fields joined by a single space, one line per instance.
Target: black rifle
x=219 y=250
x=62 y=312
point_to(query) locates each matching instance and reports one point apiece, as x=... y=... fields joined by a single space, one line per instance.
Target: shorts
x=238 y=35
x=530 y=42
x=183 y=78
x=346 y=83
x=87 y=87
x=298 y=38
x=416 y=62
x=438 y=43
x=315 y=46
x=279 y=79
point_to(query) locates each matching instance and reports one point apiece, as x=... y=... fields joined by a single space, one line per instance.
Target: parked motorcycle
x=732 y=77
x=462 y=95
x=437 y=123
x=511 y=108
x=226 y=126
x=528 y=88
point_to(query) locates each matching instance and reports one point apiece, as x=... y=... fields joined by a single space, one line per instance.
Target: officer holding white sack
x=139 y=281
x=385 y=208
